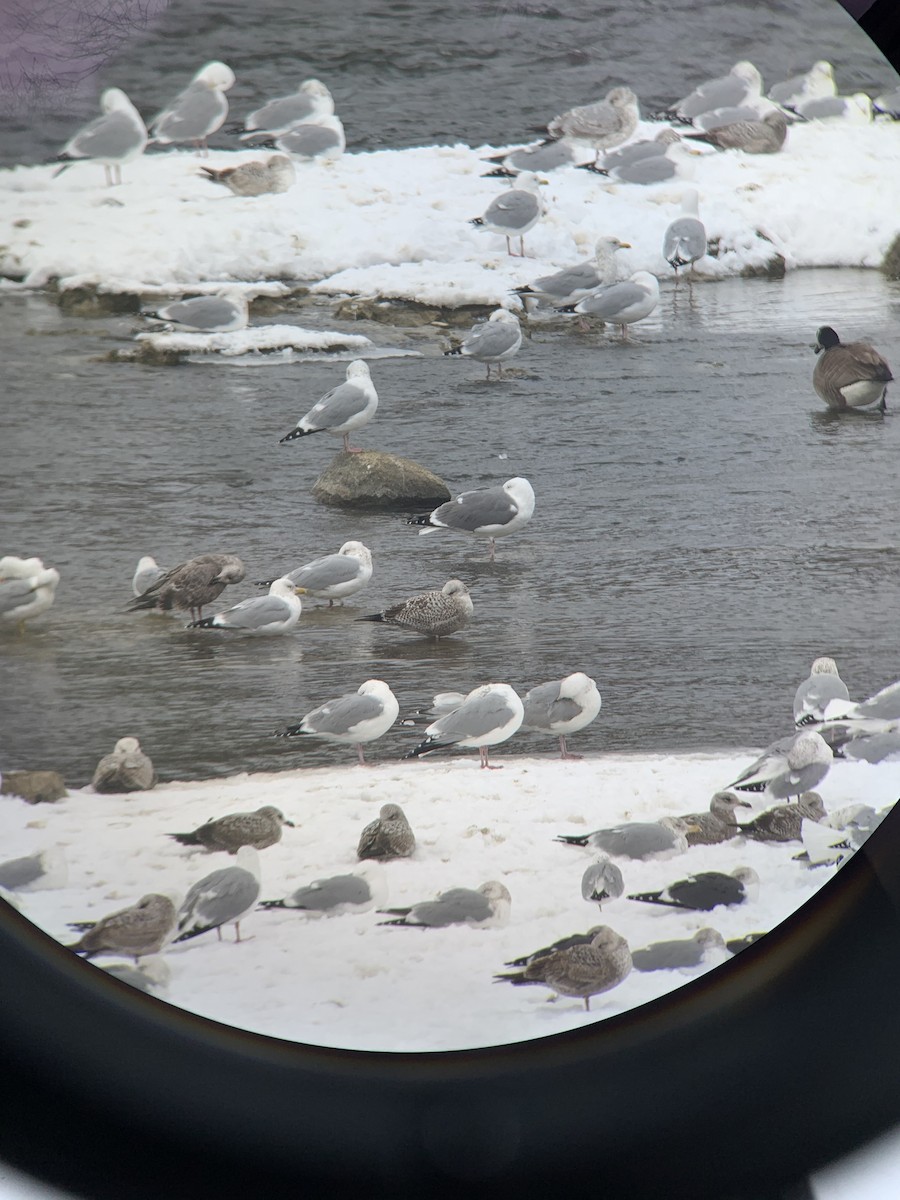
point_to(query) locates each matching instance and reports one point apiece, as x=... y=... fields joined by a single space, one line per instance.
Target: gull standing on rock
x=275 y=174
x=487 y=906
x=144 y=928
x=562 y=707
x=706 y=890
x=603 y=125
x=684 y=241
x=223 y=897
x=312 y=99
x=621 y=304
x=353 y=719
x=489 y=715
x=388 y=836
x=258 y=829
x=789 y=767
x=575 y=283
x=126 y=769
x=435 y=614
x=815 y=693
x=489 y=512
x=851 y=374
x=278 y=612
x=492 y=341
x=199 y=110
x=515 y=212
x=191 y=584
x=116 y=137
x=346 y=407
x=581 y=970
x=225 y=312
x=334 y=576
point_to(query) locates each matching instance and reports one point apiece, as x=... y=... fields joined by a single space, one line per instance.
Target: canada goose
x=849 y=375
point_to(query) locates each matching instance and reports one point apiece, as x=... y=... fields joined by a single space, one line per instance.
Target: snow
x=345 y=980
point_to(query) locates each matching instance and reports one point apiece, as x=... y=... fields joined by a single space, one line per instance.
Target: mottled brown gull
x=337 y=894
x=514 y=213
x=562 y=707
x=492 y=341
x=257 y=616
x=388 y=836
x=581 y=970
x=849 y=374
x=563 y=943
x=223 y=897
x=782 y=823
x=790 y=766
x=116 y=137
x=706 y=944
x=353 y=719
x=199 y=110
x=434 y=614
x=488 y=905
x=636 y=839
x=345 y=408
x=487 y=513
x=126 y=769
x=256 y=178
x=489 y=715
x=192 y=584
x=706 y=890
x=718 y=823
x=603 y=125
x=144 y=928
x=258 y=829
x=602 y=881
x=764 y=136
x=333 y=576
x=814 y=694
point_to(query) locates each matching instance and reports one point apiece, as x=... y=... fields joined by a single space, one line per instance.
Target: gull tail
x=203 y=623
x=272 y=904
x=297 y=433
x=476 y=221
x=372 y=617
x=567 y=308
x=573 y=839
x=758 y=785
x=513 y=977
x=192 y=933
x=499 y=173
x=455 y=350
x=185 y=839
x=81 y=926
x=263 y=582
x=656 y=898
x=426 y=747
x=421 y=519
x=216 y=174
x=291 y=731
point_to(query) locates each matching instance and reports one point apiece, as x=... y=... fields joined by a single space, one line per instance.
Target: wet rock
x=34 y=787
x=891 y=262
x=773 y=268
x=89 y=302
x=144 y=352
x=373 y=479
x=408 y=313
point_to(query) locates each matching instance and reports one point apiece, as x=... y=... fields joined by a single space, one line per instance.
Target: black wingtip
x=476 y=221
x=271 y=904
x=297 y=433
x=421 y=519
x=455 y=350
x=592 y=168
x=263 y=582
x=371 y=617
x=571 y=840
x=291 y=731
x=185 y=839
x=499 y=173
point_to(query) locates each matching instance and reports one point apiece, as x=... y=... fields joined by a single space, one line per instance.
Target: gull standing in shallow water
x=225 y=312
x=435 y=614
x=113 y=139
x=851 y=374
x=816 y=692
x=278 y=612
x=258 y=829
x=223 y=897
x=789 y=767
x=684 y=241
x=191 y=584
x=487 y=906
x=346 y=407
x=621 y=304
x=515 y=212
x=199 y=110
x=489 y=715
x=562 y=707
x=146 y=573
x=353 y=719
x=492 y=341
x=126 y=769
x=603 y=125
x=581 y=970
x=489 y=513
x=574 y=283
x=334 y=576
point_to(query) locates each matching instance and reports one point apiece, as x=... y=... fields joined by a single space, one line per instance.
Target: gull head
x=574 y=686
x=607 y=246
x=216 y=76
x=358 y=370
x=275 y=814
x=504 y=317
x=621 y=97
x=285 y=587
x=748 y=73
x=521 y=491
x=357 y=550
x=824 y=666
x=454 y=587
x=808 y=748
x=126 y=746
x=232 y=571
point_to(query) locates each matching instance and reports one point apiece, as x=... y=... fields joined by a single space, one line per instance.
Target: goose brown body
x=851 y=374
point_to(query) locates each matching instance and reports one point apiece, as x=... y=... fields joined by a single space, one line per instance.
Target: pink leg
x=492 y=545
x=362 y=757
x=219 y=932
x=483 y=751
x=564 y=751
x=348 y=449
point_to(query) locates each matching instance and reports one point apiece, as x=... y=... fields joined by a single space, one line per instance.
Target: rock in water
x=373 y=479
x=34 y=787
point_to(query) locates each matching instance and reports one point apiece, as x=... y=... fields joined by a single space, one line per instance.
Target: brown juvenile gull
x=706 y=890
x=258 y=829
x=489 y=715
x=736 y=945
x=192 y=584
x=563 y=943
x=686 y=952
x=572 y=284
x=783 y=822
x=256 y=178
x=488 y=513
x=815 y=693
x=603 y=125
x=43 y=869
x=435 y=614
x=388 y=836
x=851 y=374
x=114 y=138
x=636 y=839
x=514 y=213
x=355 y=718
x=788 y=767
x=346 y=407
x=487 y=906
x=718 y=823
x=222 y=898
x=602 y=881
x=354 y=892
x=144 y=928
x=581 y=970
x=562 y=707
x=126 y=769
x=334 y=576
x=197 y=111
x=312 y=99
x=224 y=312
x=492 y=341
x=753 y=137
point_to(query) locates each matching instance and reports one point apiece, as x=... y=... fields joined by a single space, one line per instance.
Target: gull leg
x=485 y=765
x=624 y=329
x=362 y=757
x=509 y=248
x=107 y=171
x=521 y=246
x=492 y=544
x=488 y=365
x=499 y=370
x=587 y=1004
x=564 y=751
x=219 y=933
x=348 y=449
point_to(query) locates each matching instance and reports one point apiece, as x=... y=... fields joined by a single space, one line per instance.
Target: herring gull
x=492 y=341
x=346 y=407
x=223 y=897
x=434 y=614
x=515 y=212
x=322 y=139
x=809 y=85
x=147 y=572
x=199 y=110
x=814 y=694
x=27 y=589
x=256 y=178
x=602 y=881
x=572 y=284
x=621 y=304
x=636 y=839
x=334 y=576
x=603 y=125
x=258 y=829
x=388 y=836
x=192 y=584
x=562 y=707
x=822 y=845
x=563 y=943
x=855 y=109
x=278 y=612
x=765 y=136
x=790 y=766
x=489 y=512
x=353 y=719
x=718 y=824
x=706 y=890
x=43 y=869
x=580 y=970
x=849 y=374
x=487 y=906
x=889 y=103
x=684 y=241
x=782 y=823
x=354 y=892
x=687 y=952
x=116 y=137
x=143 y=928
x=125 y=769
x=489 y=715
x=312 y=99
x=151 y=976
x=224 y=312
x=742 y=83
x=548 y=155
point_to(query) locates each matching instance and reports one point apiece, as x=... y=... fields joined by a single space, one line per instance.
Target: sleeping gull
x=706 y=944
x=602 y=881
x=716 y=118
x=27 y=589
x=562 y=707
x=812 y=697
x=621 y=304
x=889 y=103
x=515 y=212
x=544 y=156
x=572 y=284
x=113 y=139
x=782 y=823
x=849 y=374
x=334 y=576
x=492 y=341
x=321 y=139
x=388 y=836
x=346 y=407
x=883 y=706
x=223 y=897
x=147 y=572
x=192 y=584
x=489 y=715
x=874 y=747
x=434 y=614
x=706 y=890
x=126 y=769
x=563 y=943
x=742 y=83
x=258 y=829
x=764 y=136
x=581 y=970
x=603 y=125
x=197 y=111
x=487 y=906
x=684 y=241
x=312 y=99
x=809 y=85
x=354 y=719
x=278 y=612
x=636 y=839
x=144 y=928
x=43 y=869
x=718 y=824
x=225 y=312
x=442 y=703
x=151 y=976
x=634 y=152
x=855 y=109
x=363 y=889
x=256 y=178
x=790 y=766
x=489 y=512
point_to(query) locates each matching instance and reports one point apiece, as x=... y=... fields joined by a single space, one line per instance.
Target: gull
x=334 y=576
x=815 y=693
x=487 y=906
x=489 y=715
x=116 y=137
x=883 y=706
x=603 y=125
x=602 y=881
x=636 y=839
x=355 y=718
x=199 y=110
x=191 y=584
x=225 y=312
x=675 y=955
x=337 y=894
x=889 y=103
x=563 y=943
x=742 y=83
x=322 y=139
x=621 y=304
x=574 y=283
x=147 y=572
x=684 y=241
x=716 y=118
x=388 y=836
x=562 y=707
x=706 y=890
x=223 y=897
x=514 y=213
x=443 y=703
x=822 y=846
x=258 y=829
x=856 y=109
x=718 y=824
x=434 y=614
x=581 y=970
x=126 y=769
x=43 y=869
x=27 y=589
x=144 y=928
x=782 y=823
x=312 y=99
x=632 y=153
x=151 y=976
x=764 y=136
x=874 y=748
x=489 y=512
x=278 y=612
x=544 y=156
x=849 y=374
x=817 y=81
x=492 y=341
x=256 y=178
x=790 y=766
x=346 y=407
